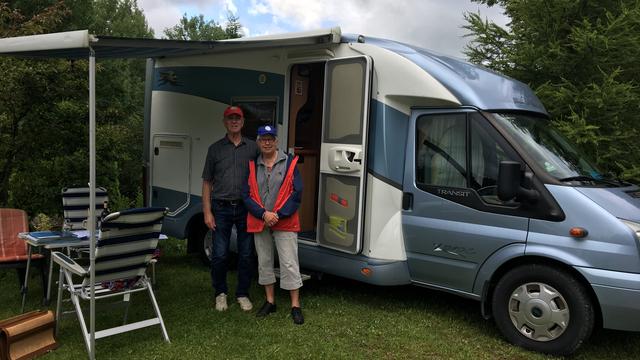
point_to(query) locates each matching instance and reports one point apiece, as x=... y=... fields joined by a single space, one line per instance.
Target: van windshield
x=551 y=151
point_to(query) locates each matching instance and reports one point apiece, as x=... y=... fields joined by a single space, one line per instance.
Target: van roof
x=469 y=83
x=473 y=85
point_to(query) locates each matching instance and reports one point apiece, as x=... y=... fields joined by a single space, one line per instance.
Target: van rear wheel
x=544 y=309
x=201 y=242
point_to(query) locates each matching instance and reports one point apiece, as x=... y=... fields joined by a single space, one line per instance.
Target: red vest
x=290 y=223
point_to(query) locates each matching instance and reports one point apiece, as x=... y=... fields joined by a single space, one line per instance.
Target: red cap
x=233 y=110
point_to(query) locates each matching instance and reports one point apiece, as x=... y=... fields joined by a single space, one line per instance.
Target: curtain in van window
x=441 y=152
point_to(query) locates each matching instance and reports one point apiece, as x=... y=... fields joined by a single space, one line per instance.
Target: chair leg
x=25 y=286
x=157 y=310
x=127 y=300
x=50 y=273
x=76 y=303
x=153 y=273
x=46 y=279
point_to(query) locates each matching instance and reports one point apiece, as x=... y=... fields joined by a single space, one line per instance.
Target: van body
x=418 y=168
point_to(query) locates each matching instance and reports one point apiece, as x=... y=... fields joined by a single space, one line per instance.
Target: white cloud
x=245 y=31
x=230 y=6
x=160 y=14
x=432 y=24
x=258 y=8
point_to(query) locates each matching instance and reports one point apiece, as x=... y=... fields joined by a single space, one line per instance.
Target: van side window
x=461 y=151
x=344 y=101
x=441 y=156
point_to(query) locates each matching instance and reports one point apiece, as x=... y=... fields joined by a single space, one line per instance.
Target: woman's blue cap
x=267 y=130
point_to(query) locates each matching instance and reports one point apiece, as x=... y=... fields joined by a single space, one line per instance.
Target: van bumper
x=619 y=297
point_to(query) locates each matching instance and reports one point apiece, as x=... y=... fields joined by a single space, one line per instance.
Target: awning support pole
x=92 y=201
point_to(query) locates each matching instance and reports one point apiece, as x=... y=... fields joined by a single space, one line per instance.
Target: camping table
x=48 y=243
x=68 y=240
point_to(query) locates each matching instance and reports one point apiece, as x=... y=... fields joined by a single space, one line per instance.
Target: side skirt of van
x=356 y=267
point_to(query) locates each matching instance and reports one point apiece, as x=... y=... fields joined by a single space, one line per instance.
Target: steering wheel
x=488 y=190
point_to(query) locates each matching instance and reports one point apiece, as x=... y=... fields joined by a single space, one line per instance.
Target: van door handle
x=156 y=150
x=345 y=160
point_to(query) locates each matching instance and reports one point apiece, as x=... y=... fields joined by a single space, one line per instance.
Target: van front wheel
x=543 y=309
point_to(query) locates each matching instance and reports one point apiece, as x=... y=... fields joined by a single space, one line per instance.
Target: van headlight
x=633 y=226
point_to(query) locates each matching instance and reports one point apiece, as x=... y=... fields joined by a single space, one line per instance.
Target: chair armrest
x=67 y=263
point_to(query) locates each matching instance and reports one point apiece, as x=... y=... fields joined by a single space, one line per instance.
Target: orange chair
x=13 y=250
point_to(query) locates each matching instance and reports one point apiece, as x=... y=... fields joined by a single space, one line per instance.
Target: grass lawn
x=344 y=319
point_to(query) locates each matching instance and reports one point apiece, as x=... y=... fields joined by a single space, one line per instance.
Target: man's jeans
x=227 y=215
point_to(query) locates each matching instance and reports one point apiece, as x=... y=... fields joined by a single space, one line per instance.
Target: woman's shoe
x=296 y=315
x=266 y=309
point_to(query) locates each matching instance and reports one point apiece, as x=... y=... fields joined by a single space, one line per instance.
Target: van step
x=304 y=276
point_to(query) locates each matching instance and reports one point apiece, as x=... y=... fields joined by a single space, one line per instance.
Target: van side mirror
x=509 y=179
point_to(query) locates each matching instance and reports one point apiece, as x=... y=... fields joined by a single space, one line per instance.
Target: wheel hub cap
x=538 y=311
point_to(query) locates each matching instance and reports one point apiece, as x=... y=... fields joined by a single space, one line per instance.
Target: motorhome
x=419 y=168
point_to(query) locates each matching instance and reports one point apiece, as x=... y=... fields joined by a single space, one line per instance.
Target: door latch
x=345 y=160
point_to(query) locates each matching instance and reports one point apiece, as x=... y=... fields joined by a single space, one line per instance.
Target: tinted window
x=345 y=99
x=445 y=154
x=441 y=157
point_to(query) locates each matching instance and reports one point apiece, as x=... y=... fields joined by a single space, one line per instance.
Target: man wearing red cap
x=225 y=170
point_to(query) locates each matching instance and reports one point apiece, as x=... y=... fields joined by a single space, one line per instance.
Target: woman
x=272 y=197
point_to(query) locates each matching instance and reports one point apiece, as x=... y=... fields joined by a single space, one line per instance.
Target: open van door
x=342 y=153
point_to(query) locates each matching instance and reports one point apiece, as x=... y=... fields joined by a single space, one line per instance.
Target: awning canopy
x=78 y=45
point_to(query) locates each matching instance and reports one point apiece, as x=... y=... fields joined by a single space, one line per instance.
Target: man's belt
x=229 y=202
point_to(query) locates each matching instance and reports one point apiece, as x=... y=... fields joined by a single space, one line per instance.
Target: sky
x=431 y=24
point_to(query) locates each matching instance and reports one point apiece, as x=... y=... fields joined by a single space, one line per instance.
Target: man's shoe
x=245 y=303
x=296 y=315
x=266 y=309
x=221 y=302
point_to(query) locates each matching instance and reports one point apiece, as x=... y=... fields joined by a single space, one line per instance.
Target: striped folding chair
x=123 y=252
x=75 y=206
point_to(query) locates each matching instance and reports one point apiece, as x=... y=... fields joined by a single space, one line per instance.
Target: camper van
x=418 y=168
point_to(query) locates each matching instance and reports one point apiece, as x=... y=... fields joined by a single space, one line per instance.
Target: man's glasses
x=266 y=140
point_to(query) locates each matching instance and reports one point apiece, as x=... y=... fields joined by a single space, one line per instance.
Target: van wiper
x=591 y=179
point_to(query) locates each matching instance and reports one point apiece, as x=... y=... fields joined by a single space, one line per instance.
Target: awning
x=78 y=44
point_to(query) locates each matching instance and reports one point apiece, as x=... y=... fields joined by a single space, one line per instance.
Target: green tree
x=21 y=81
x=197 y=28
x=580 y=57
x=233 y=28
x=43 y=107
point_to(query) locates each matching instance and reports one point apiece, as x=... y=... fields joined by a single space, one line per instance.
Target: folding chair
x=127 y=242
x=13 y=250
x=75 y=206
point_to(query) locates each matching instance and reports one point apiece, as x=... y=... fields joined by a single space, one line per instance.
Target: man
x=224 y=173
x=272 y=195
